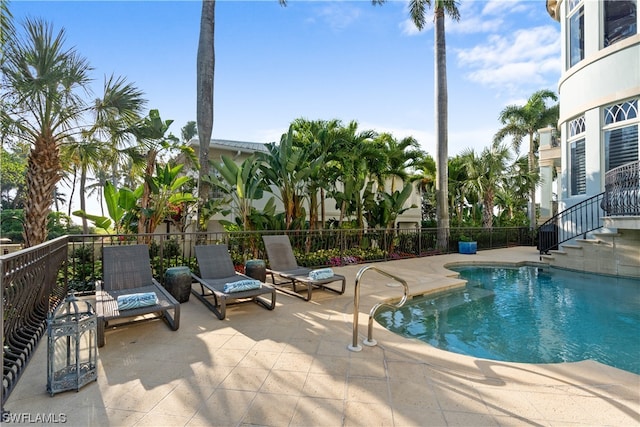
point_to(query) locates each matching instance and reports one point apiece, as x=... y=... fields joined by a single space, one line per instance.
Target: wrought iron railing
x=620 y=198
x=35 y=280
x=622 y=190
x=576 y=221
x=29 y=290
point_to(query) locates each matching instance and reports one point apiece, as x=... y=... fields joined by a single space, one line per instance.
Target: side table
x=177 y=280
x=256 y=269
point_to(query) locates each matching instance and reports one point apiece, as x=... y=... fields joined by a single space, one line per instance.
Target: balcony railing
x=35 y=280
x=622 y=190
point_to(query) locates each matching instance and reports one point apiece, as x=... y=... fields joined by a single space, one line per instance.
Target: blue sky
x=344 y=60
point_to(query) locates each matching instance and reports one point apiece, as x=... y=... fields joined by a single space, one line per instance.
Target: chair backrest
x=280 y=253
x=214 y=261
x=126 y=267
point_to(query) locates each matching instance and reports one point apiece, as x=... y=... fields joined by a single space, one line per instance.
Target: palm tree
x=43 y=81
x=205 y=71
x=400 y=157
x=83 y=155
x=418 y=12
x=348 y=168
x=318 y=139
x=188 y=131
x=525 y=120
x=205 y=67
x=485 y=176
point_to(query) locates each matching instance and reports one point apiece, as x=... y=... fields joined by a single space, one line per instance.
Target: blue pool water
x=529 y=315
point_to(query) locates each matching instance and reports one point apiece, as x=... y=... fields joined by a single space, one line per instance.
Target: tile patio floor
x=291 y=367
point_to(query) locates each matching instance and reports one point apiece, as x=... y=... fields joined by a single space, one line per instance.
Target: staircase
x=602 y=233
x=603 y=252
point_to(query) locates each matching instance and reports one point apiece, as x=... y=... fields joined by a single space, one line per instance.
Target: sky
x=319 y=60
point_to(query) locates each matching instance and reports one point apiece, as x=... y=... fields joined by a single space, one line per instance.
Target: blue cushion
x=143 y=299
x=241 y=285
x=321 y=273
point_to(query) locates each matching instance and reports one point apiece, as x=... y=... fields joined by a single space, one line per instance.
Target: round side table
x=177 y=280
x=256 y=269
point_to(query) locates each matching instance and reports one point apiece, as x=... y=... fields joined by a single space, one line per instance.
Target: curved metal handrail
x=356 y=303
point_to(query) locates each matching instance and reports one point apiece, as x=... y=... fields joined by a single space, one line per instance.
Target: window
x=577 y=172
x=576 y=34
x=620 y=20
x=620 y=134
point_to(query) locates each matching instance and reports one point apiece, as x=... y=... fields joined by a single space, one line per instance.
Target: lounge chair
x=216 y=273
x=282 y=263
x=127 y=274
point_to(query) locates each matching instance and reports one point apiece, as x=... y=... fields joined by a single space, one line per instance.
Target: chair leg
x=220 y=313
x=265 y=303
x=101 y=325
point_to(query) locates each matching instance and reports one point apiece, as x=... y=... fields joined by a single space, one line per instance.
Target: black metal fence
x=30 y=288
x=35 y=280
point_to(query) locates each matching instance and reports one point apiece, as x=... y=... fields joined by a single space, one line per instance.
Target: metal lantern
x=72 y=346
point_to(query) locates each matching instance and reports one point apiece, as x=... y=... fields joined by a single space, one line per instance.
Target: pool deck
x=292 y=367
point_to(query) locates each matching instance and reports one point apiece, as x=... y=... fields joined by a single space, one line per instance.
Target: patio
x=291 y=367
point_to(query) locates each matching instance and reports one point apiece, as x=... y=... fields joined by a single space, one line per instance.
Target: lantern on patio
x=72 y=346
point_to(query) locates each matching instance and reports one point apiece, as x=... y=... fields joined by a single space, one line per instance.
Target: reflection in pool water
x=529 y=315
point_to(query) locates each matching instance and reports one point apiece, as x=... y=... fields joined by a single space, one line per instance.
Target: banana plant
x=166 y=190
x=243 y=184
x=121 y=207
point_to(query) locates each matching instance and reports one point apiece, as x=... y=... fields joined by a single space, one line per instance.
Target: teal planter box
x=468 y=248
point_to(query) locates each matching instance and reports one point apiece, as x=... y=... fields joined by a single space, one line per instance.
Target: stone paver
x=291 y=367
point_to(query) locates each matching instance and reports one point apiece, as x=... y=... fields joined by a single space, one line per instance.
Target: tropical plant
x=286 y=167
x=381 y=209
x=318 y=139
x=417 y=12
x=151 y=134
x=122 y=207
x=83 y=155
x=348 y=170
x=525 y=120
x=400 y=157
x=43 y=81
x=167 y=190
x=13 y=183
x=243 y=184
x=485 y=176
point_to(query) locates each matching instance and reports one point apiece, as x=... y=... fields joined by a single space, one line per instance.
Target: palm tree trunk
x=43 y=165
x=441 y=123
x=204 y=115
x=83 y=200
x=532 y=194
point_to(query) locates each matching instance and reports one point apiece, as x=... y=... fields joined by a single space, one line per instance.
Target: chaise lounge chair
x=218 y=279
x=283 y=263
x=127 y=276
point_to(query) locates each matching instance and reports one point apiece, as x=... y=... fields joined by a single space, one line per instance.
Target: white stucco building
x=597 y=228
x=599 y=92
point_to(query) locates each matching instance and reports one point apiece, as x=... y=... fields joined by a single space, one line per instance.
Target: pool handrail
x=356 y=303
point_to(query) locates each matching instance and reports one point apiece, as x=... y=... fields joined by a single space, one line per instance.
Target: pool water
x=529 y=315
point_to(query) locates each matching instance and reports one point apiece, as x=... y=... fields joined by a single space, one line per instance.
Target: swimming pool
x=529 y=315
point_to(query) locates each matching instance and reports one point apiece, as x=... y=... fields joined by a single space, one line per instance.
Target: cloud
x=338 y=16
x=503 y=7
x=526 y=57
x=408 y=28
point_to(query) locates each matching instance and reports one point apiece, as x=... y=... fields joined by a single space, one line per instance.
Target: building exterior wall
x=605 y=76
